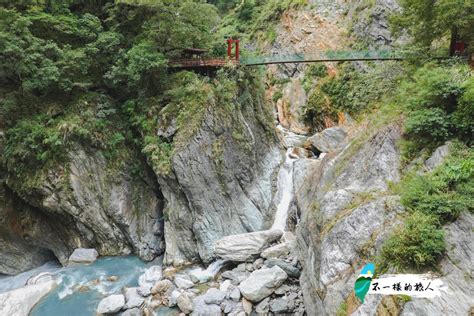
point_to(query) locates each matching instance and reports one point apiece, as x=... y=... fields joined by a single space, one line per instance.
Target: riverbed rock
x=244 y=247
x=162 y=287
x=279 y=306
x=111 y=304
x=185 y=303
x=235 y=295
x=263 y=306
x=236 y=276
x=152 y=275
x=329 y=140
x=183 y=283
x=83 y=255
x=19 y=302
x=201 y=308
x=275 y=251
x=132 y=298
x=247 y=306
x=132 y=312
x=261 y=283
x=214 y=296
x=287 y=267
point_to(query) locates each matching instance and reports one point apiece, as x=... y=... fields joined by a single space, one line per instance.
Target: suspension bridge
x=326 y=56
x=196 y=57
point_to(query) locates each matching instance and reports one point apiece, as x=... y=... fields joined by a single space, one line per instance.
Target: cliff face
x=346 y=213
x=221 y=178
x=85 y=203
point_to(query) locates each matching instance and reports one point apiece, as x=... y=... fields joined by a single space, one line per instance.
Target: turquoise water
x=68 y=300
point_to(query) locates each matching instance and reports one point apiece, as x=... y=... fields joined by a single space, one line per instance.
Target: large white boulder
x=83 y=255
x=261 y=283
x=19 y=302
x=150 y=277
x=244 y=247
x=329 y=140
x=111 y=304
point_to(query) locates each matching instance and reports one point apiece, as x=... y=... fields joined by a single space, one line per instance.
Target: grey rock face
x=112 y=211
x=244 y=247
x=457 y=270
x=239 y=171
x=111 y=304
x=345 y=212
x=27 y=235
x=287 y=267
x=261 y=283
x=83 y=255
x=329 y=140
x=438 y=157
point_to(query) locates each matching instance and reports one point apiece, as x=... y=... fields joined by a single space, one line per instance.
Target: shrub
x=446 y=192
x=419 y=243
x=428 y=126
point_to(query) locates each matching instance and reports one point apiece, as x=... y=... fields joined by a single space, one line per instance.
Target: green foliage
x=428 y=125
x=446 y=192
x=431 y=199
x=438 y=105
x=419 y=243
x=429 y=21
x=351 y=91
x=255 y=19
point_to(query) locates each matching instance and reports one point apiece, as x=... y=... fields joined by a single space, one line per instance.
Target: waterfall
x=284 y=195
x=209 y=273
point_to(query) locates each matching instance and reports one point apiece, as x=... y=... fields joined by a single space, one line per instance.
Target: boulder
x=247 y=305
x=258 y=264
x=282 y=289
x=263 y=306
x=226 y=286
x=235 y=276
x=279 y=305
x=329 y=140
x=19 y=302
x=235 y=295
x=132 y=298
x=244 y=247
x=261 y=283
x=111 y=304
x=185 y=303
x=132 y=312
x=276 y=251
x=291 y=270
x=150 y=277
x=200 y=308
x=173 y=298
x=162 y=287
x=214 y=296
x=83 y=255
x=182 y=283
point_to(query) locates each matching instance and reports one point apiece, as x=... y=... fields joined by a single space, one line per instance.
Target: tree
x=430 y=20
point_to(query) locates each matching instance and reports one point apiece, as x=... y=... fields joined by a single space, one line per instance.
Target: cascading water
x=284 y=195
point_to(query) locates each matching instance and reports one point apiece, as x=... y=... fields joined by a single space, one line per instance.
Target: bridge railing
x=330 y=55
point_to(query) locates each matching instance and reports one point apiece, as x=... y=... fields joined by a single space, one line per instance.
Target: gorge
x=131 y=188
